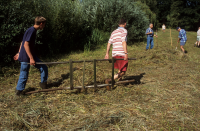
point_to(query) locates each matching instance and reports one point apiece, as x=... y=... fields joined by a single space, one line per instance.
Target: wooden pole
x=95 y=82
x=113 y=81
x=170 y=33
x=71 y=74
x=81 y=61
x=83 y=75
x=171 y=36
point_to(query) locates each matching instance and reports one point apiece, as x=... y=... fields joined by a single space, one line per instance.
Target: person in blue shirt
x=182 y=38
x=27 y=55
x=150 y=35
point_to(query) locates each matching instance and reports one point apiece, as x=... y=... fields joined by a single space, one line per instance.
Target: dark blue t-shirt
x=29 y=36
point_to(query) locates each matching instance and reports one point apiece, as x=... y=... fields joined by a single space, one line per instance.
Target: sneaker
x=108 y=81
x=18 y=92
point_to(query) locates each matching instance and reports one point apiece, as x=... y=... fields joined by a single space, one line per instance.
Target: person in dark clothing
x=27 y=55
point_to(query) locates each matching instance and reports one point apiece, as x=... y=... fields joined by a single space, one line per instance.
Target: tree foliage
x=184 y=13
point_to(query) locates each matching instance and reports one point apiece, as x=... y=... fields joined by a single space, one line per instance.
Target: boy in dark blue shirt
x=27 y=54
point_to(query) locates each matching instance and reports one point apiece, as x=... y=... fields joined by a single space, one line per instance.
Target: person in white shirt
x=198 y=37
x=163 y=27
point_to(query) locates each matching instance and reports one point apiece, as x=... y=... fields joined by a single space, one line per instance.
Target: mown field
x=164 y=97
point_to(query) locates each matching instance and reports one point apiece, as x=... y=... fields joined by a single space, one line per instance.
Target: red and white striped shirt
x=117 y=37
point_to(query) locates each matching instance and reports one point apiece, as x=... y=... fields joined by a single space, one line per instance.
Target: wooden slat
x=95 y=82
x=81 y=61
x=79 y=87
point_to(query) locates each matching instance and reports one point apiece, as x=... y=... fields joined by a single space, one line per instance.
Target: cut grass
x=165 y=95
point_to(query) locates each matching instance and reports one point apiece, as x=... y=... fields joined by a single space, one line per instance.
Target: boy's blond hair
x=39 y=20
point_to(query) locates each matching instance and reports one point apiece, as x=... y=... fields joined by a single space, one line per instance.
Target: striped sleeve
x=110 y=40
x=124 y=34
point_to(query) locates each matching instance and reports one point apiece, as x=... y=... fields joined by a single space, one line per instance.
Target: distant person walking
x=163 y=27
x=150 y=35
x=182 y=38
x=198 y=37
x=118 y=40
x=27 y=55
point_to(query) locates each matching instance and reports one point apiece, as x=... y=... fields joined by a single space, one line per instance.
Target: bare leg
x=182 y=48
x=119 y=75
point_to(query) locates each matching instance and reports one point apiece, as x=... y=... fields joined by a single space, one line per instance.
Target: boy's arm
x=20 y=47
x=179 y=37
x=107 y=52
x=17 y=55
x=125 y=50
x=27 y=49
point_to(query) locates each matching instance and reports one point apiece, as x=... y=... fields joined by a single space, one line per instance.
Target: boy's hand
x=126 y=57
x=106 y=56
x=16 y=56
x=32 y=62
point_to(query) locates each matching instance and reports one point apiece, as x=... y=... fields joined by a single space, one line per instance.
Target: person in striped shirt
x=182 y=38
x=118 y=41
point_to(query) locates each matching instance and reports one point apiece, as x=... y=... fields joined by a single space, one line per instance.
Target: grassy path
x=165 y=96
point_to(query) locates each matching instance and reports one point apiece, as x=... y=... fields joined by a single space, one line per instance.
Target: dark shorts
x=122 y=65
x=182 y=43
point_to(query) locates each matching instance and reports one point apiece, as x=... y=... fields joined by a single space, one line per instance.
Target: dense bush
x=71 y=25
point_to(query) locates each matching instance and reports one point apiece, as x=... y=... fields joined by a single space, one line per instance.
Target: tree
x=164 y=7
x=184 y=13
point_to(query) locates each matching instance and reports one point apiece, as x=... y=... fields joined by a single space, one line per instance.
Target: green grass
x=165 y=96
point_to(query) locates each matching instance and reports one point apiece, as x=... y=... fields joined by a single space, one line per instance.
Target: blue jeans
x=24 y=71
x=149 y=41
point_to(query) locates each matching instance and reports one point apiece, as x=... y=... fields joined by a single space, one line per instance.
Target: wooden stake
x=71 y=74
x=113 y=81
x=171 y=36
x=95 y=83
x=83 y=75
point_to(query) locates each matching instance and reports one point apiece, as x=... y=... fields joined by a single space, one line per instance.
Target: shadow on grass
x=54 y=84
x=136 y=78
x=60 y=81
x=66 y=76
